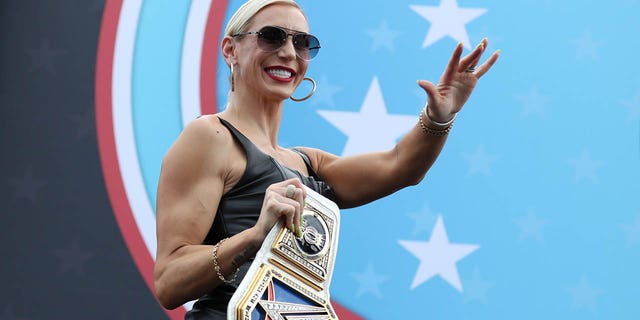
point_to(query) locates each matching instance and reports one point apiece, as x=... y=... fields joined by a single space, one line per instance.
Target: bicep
x=184 y=211
x=189 y=191
x=357 y=179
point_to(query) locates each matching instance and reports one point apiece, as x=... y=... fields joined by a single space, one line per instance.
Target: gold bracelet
x=217 y=267
x=434 y=132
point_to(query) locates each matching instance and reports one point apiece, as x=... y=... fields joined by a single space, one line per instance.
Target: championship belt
x=290 y=276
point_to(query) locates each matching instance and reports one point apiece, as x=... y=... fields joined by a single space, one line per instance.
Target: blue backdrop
x=532 y=209
x=530 y=212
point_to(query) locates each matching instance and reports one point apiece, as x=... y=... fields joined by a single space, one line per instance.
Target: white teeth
x=280 y=73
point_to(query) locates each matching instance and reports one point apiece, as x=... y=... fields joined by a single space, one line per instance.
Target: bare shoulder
x=201 y=147
x=206 y=129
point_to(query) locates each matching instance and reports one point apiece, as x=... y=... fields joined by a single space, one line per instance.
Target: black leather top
x=239 y=210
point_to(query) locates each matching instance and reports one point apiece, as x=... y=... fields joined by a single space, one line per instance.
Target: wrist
x=256 y=236
x=218 y=268
x=437 y=125
x=434 y=128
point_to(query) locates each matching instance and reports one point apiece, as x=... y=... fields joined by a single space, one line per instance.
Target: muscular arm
x=360 y=179
x=192 y=181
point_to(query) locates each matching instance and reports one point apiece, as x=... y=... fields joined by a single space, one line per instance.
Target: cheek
x=303 y=69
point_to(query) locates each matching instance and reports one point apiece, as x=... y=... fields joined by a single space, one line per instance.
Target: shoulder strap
x=307 y=162
x=244 y=141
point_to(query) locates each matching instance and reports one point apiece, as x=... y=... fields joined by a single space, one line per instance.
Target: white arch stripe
x=123 y=124
x=191 y=60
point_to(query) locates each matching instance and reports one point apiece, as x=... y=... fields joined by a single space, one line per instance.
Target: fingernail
x=299 y=233
x=292 y=228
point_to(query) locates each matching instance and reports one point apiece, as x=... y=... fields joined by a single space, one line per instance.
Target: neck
x=258 y=119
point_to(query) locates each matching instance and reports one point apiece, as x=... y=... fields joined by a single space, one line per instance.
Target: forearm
x=417 y=151
x=363 y=178
x=188 y=272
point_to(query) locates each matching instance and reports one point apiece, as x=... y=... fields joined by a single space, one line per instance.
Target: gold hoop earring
x=313 y=90
x=233 y=80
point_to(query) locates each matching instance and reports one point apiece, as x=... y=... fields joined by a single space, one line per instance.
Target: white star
x=8 y=314
x=283 y=310
x=447 y=19
x=369 y=281
x=585 y=167
x=27 y=187
x=44 y=57
x=422 y=219
x=584 y=295
x=586 y=47
x=382 y=37
x=96 y=6
x=531 y=226
x=633 y=232
x=73 y=258
x=83 y=124
x=534 y=103
x=371 y=129
x=324 y=94
x=480 y=161
x=476 y=288
x=438 y=256
x=633 y=105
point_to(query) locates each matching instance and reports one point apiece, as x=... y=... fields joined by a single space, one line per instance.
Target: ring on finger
x=290 y=192
x=470 y=70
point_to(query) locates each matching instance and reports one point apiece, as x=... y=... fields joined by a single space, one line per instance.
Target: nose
x=287 y=50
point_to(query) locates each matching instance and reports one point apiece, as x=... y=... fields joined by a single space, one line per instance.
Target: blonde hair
x=245 y=13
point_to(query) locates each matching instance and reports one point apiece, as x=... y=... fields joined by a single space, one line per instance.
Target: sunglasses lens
x=271 y=38
x=306 y=45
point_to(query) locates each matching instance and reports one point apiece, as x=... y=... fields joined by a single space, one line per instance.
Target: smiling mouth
x=279 y=73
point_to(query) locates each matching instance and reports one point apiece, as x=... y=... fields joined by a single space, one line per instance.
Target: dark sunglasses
x=272 y=38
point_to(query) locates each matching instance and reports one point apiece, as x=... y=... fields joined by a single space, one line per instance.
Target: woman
x=225 y=182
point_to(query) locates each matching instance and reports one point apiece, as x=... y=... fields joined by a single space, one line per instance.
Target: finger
x=453 y=62
x=288 y=211
x=300 y=196
x=300 y=203
x=297 y=193
x=429 y=87
x=483 y=46
x=297 y=183
x=482 y=69
x=290 y=191
x=276 y=209
x=292 y=209
x=295 y=197
x=278 y=204
x=472 y=58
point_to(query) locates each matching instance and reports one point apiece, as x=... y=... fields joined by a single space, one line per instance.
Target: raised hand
x=457 y=82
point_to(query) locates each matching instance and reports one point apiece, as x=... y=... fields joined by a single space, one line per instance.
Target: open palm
x=457 y=82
